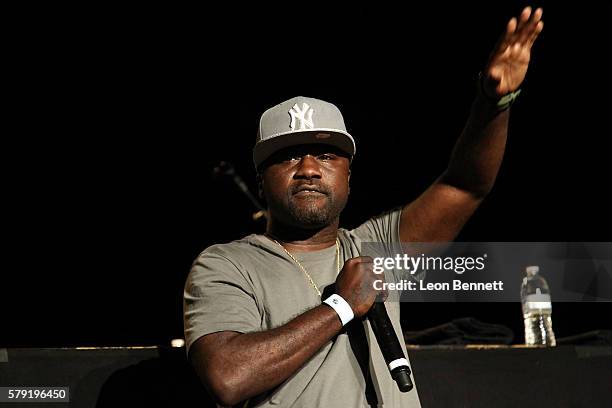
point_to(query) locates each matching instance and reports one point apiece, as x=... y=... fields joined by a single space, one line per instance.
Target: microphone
x=390 y=346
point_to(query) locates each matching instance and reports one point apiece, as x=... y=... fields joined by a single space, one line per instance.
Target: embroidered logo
x=303 y=116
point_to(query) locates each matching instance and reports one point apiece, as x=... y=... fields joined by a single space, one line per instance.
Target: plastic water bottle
x=537 y=309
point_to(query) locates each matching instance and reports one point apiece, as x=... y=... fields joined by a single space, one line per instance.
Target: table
x=472 y=376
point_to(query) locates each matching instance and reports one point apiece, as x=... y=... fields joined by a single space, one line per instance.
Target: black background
x=109 y=193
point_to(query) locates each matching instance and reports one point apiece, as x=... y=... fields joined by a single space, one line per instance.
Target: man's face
x=306 y=186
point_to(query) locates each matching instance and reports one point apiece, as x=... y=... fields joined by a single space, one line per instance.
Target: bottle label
x=538 y=305
x=537 y=302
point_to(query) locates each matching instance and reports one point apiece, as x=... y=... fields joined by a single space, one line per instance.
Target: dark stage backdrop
x=109 y=193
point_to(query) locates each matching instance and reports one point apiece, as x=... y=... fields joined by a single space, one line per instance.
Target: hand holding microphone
x=355 y=286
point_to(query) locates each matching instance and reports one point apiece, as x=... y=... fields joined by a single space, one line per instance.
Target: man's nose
x=308 y=167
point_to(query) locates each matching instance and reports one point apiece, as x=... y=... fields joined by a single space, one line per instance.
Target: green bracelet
x=507 y=100
x=502 y=103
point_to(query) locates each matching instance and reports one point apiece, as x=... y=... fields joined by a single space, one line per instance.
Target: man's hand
x=355 y=284
x=509 y=60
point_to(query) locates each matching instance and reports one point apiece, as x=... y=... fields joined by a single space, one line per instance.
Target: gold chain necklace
x=312 y=282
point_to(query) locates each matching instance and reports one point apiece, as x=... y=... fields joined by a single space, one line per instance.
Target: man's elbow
x=219 y=379
x=479 y=193
x=224 y=390
x=475 y=188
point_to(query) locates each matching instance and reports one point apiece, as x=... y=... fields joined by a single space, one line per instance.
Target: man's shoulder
x=239 y=248
x=232 y=261
x=382 y=227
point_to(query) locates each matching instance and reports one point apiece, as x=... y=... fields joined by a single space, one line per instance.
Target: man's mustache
x=309 y=187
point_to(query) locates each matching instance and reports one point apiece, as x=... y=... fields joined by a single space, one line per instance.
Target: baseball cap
x=298 y=121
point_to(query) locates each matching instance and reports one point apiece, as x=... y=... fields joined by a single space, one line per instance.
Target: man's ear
x=260 y=190
x=349 y=181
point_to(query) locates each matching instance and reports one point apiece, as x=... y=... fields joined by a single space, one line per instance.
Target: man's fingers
x=523 y=30
x=508 y=35
x=527 y=30
x=536 y=32
x=365 y=260
x=360 y=260
x=537 y=15
x=511 y=27
x=524 y=17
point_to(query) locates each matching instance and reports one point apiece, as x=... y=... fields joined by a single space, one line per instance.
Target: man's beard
x=312 y=214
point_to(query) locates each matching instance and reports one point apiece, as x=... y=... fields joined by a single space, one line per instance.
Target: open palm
x=509 y=60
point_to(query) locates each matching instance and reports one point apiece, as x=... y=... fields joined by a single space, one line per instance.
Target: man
x=279 y=318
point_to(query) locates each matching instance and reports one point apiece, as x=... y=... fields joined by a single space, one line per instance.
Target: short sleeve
x=217 y=297
x=382 y=228
x=379 y=237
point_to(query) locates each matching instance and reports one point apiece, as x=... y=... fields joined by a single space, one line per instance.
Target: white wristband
x=345 y=313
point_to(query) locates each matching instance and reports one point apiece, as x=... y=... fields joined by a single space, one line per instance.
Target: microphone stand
x=226 y=169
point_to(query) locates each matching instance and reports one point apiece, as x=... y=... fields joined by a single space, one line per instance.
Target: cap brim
x=334 y=137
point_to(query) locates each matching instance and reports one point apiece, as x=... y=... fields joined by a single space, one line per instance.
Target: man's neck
x=303 y=240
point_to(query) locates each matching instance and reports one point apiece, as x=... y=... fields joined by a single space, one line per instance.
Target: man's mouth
x=306 y=189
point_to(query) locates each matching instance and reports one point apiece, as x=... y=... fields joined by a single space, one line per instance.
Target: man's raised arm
x=440 y=212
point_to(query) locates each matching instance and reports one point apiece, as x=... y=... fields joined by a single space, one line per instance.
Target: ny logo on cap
x=303 y=116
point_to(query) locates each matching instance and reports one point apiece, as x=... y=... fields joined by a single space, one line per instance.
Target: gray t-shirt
x=252 y=285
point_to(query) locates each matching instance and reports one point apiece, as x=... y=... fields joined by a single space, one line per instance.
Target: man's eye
x=326 y=156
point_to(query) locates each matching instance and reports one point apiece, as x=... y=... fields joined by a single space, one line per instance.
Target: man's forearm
x=479 y=151
x=245 y=365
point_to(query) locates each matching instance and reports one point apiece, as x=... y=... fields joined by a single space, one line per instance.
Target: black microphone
x=390 y=346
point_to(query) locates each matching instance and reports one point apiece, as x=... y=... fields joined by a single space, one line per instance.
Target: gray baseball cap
x=298 y=121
